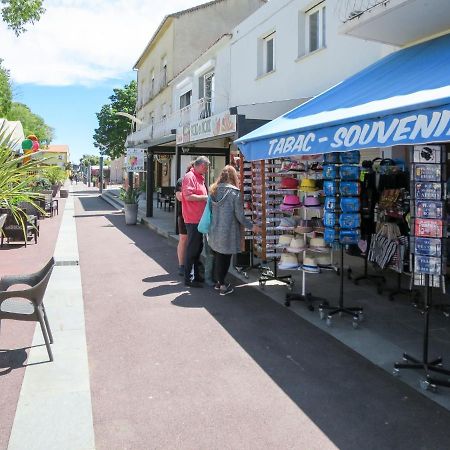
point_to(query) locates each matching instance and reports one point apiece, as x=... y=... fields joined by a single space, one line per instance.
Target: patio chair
x=12 y=231
x=27 y=304
x=2 y=222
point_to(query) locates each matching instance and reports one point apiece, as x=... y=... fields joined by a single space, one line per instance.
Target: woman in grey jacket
x=227 y=220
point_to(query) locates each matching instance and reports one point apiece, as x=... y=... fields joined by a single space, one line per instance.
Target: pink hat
x=290 y=202
x=311 y=201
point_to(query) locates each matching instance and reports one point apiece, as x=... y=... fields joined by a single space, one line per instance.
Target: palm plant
x=17 y=174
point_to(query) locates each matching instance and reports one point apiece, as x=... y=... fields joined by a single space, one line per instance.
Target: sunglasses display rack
x=428 y=243
x=341 y=220
x=266 y=200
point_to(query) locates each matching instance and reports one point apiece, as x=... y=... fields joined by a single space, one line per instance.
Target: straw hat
x=310 y=265
x=288 y=261
x=284 y=241
x=297 y=245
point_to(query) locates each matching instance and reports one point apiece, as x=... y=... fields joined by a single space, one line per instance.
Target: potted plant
x=130 y=198
x=56 y=175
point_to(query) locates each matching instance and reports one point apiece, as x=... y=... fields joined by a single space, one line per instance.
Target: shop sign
x=135 y=160
x=210 y=127
x=409 y=128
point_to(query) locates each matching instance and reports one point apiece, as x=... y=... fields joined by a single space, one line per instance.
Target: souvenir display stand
x=428 y=239
x=342 y=220
x=305 y=296
x=266 y=199
x=244 y=262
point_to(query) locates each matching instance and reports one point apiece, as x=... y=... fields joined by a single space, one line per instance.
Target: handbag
x=205 y=222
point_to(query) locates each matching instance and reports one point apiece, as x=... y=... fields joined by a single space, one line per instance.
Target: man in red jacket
x=194 y=200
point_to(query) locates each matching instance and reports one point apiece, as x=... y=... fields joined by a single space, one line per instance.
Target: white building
x=291 y=50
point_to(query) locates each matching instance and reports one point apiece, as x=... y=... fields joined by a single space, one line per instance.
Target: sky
x=66 y=65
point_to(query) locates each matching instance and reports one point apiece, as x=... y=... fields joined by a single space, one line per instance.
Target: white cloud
x=84 y=41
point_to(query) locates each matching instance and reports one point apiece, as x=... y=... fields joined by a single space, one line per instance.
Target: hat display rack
x=244 y=261
x=342 y=220
x=267 y=213
x=428 y=244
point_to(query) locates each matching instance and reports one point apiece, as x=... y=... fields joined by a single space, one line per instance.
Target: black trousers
x=193 y=251
x=222 y=265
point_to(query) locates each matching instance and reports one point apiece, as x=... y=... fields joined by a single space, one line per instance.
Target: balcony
x=198 y=110
x=393 y=22
x=150 y=90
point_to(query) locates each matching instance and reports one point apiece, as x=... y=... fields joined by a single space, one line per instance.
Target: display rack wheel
x=287 y=303
x=355 y=323
x=396 y=372
x=338 y=271
x=425 y=385
x=361 y=317
x=311 y=308
x=262 y=284
x=245 y=275
x=322 y=314
x=328 y=322
x=290 y=287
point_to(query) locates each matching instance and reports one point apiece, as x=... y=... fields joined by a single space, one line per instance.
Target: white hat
x=287 y=223
x=297 y=245
x=284 y=240
x=288 y=261
x=317 y=243
x=310 y=265
x=323 y=260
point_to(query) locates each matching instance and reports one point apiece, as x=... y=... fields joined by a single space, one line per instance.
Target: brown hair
x=228 y=175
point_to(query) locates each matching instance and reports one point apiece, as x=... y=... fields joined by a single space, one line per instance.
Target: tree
x=5 y=91
x=112 y=131
x=32 y=123
x=18 y=13
x=87 y=160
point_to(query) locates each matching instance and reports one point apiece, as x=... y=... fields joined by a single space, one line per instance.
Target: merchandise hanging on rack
x=342 y=219
x=428 y=197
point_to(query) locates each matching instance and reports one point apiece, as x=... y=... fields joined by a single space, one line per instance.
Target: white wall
x=294 y=77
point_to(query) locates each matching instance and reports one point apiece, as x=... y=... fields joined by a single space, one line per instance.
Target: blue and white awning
x=403 y=99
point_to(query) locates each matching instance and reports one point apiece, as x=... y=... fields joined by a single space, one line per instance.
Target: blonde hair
x=228 y=175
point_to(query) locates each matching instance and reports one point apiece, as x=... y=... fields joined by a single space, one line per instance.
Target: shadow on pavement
x=15 y=359
x=356 y=404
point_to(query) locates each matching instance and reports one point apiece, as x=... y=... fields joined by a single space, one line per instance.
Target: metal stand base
x=267 y=274
x=427 y=366
x=377 y=279
x=356 y=312
x=307 y=298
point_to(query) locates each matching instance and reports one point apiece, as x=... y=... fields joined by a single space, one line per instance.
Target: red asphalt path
x=16 y=337
x=170 y=369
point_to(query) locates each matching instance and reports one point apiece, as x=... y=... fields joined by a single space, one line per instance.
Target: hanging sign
x=218 y=125
x=135 y=160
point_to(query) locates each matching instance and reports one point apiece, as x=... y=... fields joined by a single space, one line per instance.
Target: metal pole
x=150 y=183
x=89 y=175
x=100 y=175
x=178 y=175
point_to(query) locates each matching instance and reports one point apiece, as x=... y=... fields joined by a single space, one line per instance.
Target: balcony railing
x=351 y=9
x=152 y=89
x=201 y=109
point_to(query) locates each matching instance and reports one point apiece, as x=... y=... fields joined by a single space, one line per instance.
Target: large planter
x=63 y=193
x=131 y=212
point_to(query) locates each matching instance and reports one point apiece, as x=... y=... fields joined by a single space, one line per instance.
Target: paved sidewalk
x=174 y=369
x=19 y=335
x=54 y=409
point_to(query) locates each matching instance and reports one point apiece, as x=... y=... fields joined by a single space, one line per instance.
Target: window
x=152 y=86
x=206 y=92
x=164 y=73
x=185 y=99
x=316 y=28
x=266 y=53
x=269 y=53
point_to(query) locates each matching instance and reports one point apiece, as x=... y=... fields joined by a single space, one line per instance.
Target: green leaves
x=18 y=13
x=113 y=130
x=32 y=123
x=5 y=91
x=130 y=196
x=16 y=180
